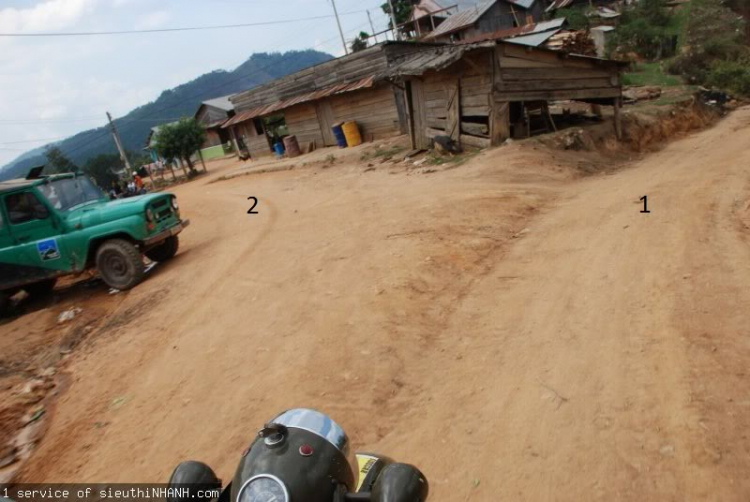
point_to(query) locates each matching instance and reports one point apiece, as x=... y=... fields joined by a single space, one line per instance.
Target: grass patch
x=436 y=159
x=379 y=153
x=650 y=74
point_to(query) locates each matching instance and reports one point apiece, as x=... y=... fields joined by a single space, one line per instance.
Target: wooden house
x=486 y=17
x=483 y=93
x=477 y=93
x=211 y=115
x=313 y=100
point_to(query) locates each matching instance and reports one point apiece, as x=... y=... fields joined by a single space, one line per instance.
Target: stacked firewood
x=579 y=42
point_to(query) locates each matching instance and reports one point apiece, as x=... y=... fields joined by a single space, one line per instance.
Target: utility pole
x=118 y=142
x=372 y=27
x=341 y=32
x=393 y=21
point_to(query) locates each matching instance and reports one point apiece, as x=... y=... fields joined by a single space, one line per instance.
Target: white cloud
x=46 y=16
x=152 y=20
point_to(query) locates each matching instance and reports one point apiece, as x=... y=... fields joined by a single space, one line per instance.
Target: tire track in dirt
x=612 y=367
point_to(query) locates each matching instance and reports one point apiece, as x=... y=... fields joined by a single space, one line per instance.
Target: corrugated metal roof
x=533 y=40
x=436 y=59
x=528 y=29
x=558 y=4
x=524 y=4
x=606 y=13
x=299 y=99
x=427 y=7
x=461 y=19
x=222 y=103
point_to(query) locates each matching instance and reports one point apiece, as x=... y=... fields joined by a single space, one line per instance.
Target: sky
x=54 y=87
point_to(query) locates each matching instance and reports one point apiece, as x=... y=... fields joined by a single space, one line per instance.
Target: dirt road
x=516 y=334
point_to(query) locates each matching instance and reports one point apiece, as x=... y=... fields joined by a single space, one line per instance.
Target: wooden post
x=499 y=121
x=515 y=18
x=234 y=141
x=618 y=118
x=453 y=111
x=200 y=154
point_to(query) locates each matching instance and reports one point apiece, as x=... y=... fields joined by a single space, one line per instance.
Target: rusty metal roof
x=461 y=19
x=554 y=25
x=435 y=59
x=261 y=111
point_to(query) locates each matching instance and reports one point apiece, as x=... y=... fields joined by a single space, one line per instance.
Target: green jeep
x=63 y=224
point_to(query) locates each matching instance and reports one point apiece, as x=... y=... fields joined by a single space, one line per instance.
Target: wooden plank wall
x=535 y=75
x=257 y=144
x=473 y=77
x=373 y=109
x=302 y=121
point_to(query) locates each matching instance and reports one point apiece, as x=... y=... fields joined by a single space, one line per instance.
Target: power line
x=89 y=141
x=185 y=28
x=24 y=122
x=31 y=141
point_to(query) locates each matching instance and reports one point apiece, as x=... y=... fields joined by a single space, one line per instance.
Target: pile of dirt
x=644 y=130
x=33 y=353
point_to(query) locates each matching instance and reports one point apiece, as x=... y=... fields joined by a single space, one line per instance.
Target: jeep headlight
x=149 y=215
x=175 y=206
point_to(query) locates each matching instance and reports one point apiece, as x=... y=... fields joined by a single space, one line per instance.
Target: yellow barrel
x=351 y=131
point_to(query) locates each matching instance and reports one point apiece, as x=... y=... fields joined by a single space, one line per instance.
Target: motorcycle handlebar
x=357 y=497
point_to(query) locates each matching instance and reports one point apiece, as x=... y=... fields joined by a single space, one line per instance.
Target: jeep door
x=34 y=253
x=6 y=248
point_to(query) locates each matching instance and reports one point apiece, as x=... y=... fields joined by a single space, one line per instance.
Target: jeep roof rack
x=35 y=173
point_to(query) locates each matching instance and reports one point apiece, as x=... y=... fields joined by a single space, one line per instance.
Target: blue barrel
x=279 y=148
x=338 y=131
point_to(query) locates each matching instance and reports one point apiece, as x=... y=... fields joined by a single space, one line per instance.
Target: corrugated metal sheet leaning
x=461 y=19
x=553 y=25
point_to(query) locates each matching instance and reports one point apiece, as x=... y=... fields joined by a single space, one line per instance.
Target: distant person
x=116 y=190
x=139 y=185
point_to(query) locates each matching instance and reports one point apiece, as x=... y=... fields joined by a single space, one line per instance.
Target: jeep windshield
x=69 y=193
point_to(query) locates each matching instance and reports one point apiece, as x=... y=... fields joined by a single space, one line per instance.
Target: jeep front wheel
x=165 y=250
x=120 y=264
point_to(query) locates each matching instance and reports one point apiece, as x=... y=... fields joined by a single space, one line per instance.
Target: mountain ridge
x=182 y=100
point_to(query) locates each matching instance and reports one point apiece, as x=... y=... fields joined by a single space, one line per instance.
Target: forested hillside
x=173 y=103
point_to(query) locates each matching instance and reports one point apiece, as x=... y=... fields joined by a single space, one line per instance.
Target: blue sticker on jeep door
x=48 y=250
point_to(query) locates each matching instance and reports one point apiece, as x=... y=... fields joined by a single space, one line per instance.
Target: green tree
x=103 y=168
x=741 y=7
x=180 y=140
x=360 y=42
x=715 y=52
x=576 y=17
x=402 y=10
x=58 y=162
x=646 y=30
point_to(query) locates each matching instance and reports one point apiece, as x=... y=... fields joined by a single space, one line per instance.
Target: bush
x=646 y=30
x=715 y=53
x=733 y=76
x=576 y=17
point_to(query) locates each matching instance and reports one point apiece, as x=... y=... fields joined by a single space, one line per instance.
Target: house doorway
x=325 y=119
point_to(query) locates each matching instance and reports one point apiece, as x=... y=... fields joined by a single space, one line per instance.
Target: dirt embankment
x=645 y=129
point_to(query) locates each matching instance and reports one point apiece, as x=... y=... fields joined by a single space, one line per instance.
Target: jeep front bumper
x=164 y=235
